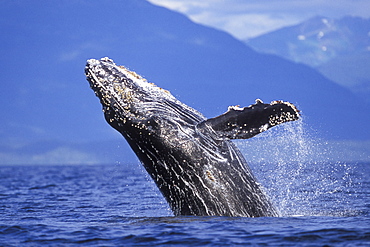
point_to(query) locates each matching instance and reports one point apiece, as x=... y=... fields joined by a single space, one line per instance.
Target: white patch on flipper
x=235 y=108
x=264 y=127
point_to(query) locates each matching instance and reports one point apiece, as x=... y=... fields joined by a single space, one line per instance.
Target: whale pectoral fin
x=243 y=123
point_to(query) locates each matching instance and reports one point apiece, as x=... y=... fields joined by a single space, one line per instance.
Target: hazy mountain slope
x=338 y=48
x=46 y=99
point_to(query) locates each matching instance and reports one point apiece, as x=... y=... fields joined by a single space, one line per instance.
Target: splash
x=297 y=174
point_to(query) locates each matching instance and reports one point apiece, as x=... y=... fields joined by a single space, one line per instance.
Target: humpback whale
x=192 y=159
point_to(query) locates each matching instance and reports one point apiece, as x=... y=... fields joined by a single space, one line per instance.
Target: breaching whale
x=191 y=158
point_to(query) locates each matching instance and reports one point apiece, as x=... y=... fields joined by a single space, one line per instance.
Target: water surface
x=118 y=205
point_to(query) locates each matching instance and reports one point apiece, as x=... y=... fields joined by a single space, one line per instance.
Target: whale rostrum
x=191 y=158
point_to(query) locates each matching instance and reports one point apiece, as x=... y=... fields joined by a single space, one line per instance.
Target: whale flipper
x=243 y=123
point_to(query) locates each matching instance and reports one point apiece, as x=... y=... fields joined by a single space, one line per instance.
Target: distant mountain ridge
x=338 y=48
x=49 y=111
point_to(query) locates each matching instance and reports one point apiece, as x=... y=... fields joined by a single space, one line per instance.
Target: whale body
x=191 y=158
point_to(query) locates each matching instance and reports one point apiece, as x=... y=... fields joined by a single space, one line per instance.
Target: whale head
x=129 y=100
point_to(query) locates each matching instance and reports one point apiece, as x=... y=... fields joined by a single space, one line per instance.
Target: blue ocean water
x=119 y=205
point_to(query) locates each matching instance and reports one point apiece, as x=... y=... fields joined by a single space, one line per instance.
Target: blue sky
x=249 y=18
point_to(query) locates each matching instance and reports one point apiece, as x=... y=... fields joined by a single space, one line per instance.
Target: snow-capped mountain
x=338 y=48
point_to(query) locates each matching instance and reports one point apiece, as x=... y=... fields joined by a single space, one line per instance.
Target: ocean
x=321 y=204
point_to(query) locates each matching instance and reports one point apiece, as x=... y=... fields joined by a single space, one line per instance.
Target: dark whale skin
x=190 y=158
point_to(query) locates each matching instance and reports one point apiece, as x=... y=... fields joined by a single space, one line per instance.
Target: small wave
x=43 y=187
